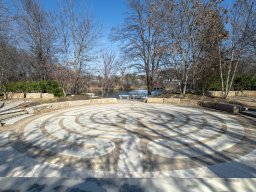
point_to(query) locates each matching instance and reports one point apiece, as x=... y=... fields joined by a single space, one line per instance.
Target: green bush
x=245 y=82
x=241 y=82
x=35 y=86
x=215 y=85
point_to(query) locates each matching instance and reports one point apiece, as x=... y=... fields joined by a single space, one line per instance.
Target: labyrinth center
x=133 y=140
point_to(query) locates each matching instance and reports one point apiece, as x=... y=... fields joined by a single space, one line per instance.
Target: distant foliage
x=35 y=86
x=241 y=82
x=215 y=85
x=245 y=82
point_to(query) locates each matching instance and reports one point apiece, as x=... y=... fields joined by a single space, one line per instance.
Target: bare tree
x=142 y=38
x=37 y=33
x=240 y=42
x=13 y=61
x=77 y=32
x=4 y=42
x=109 y=68
x=210 y=38
x=183 y=24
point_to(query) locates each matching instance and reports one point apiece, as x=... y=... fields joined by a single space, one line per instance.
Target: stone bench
x=124 y=96
x=136 y=96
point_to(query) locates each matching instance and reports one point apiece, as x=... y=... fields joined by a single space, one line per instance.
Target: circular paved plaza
x=130 y=140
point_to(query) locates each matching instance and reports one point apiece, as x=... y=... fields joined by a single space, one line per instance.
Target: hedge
x=35 y=86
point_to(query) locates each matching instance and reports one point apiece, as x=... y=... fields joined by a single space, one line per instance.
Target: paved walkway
x=134 y=140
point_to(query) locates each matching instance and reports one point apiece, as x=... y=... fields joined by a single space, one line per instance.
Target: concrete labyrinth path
x=130 y=140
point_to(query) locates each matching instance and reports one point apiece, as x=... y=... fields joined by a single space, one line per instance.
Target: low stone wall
x=231 y=108
x=14 y=95
x=47 y=96
x=154 y=100
x=60 y=105
x=33 y=95
x=28 y=96
x=249 y=93
x=103 y=101
x=175 y=101
x=233 y=93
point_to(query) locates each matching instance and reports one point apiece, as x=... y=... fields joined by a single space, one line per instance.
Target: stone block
x=189 y=102
x=60 y=105
x=176 y=101
x=155 y=100
x=103 y=101
x=78 y=102
x=33 y=95
x=14 y=95
x=215 y=93
x=233 y=93
x=47 y=96
x=248 y=93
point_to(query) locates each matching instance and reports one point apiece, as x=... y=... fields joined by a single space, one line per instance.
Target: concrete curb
x=61 y=105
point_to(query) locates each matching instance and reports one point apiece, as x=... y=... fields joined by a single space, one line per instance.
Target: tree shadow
x=18 y=153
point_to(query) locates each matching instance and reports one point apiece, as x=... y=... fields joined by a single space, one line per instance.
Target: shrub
x=35 y=86
x=245 y=82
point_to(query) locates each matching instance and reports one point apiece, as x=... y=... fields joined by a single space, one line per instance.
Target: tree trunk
x=221 y=72
x=148 y=83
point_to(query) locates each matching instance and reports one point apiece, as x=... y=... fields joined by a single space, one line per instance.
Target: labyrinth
x=128 y=140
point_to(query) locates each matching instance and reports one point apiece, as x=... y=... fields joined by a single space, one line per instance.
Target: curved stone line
x=181 y=125
x=231 y=152
x=240 y=149
x=61 y=123
x=49 y=135
x=55 y=138
x=18 y=142
x=78 y=122
x=111 y=124
x=195 y=150
x=150 y=129
x=157 y=134
x=59 y=141
x=95 y=120
x=222 y=131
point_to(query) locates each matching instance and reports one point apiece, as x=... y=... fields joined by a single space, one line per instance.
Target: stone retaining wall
x=175 y=101
x=60 y=105
x=14 y=95
x=103 y=101
x=233 y=93
x=33 y=95
x=249 y=93
x=231 y=108
x=28 y=96
x=47 y=96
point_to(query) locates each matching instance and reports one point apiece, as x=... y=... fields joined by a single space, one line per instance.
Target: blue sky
x=107 y=13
